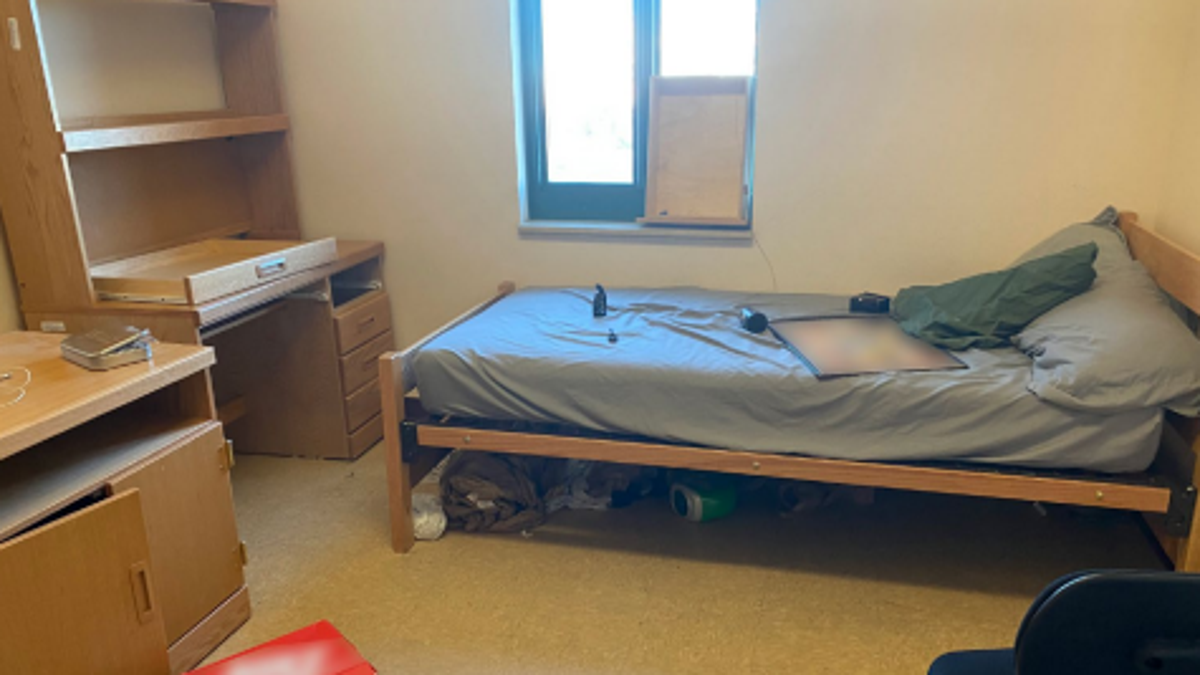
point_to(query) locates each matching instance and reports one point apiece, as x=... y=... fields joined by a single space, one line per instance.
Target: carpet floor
x=877 y=589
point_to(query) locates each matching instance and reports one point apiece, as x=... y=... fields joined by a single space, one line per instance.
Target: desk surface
x=61 y=395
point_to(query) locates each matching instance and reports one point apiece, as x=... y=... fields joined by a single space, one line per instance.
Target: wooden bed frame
x=1166 y=495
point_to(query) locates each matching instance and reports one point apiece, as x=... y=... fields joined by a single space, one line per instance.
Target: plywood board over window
x=697 y=166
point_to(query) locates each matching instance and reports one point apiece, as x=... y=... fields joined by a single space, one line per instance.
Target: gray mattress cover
x=683 y=370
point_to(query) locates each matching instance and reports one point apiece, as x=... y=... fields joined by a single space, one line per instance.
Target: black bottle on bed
x=600 y=302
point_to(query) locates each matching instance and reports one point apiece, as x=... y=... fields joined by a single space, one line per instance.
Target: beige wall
x=899 y=141
x=1180 y=217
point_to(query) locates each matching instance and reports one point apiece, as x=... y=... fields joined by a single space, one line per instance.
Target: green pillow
x=987 y=310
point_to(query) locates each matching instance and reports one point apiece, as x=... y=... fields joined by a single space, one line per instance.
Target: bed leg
x=391 y=380
x=1187 y=551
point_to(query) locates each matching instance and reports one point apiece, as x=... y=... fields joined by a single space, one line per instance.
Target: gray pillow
x=1117 y=347
x=1103 y=231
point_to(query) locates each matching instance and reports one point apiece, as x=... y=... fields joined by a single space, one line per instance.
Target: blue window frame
x=585 y=69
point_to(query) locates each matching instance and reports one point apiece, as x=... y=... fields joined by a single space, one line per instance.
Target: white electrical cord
x=8 y=384
x=770 y=267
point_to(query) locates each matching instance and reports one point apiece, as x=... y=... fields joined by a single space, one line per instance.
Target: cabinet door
x=78 y=596
x=194 y=544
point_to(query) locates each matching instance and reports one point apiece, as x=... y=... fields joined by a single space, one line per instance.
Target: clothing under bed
x=683 y=370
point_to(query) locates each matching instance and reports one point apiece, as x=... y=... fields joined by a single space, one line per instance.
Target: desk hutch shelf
x=186 y=223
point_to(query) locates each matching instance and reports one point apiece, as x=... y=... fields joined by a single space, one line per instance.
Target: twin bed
x=684 y=386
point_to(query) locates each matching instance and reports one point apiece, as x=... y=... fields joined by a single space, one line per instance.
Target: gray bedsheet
x=683 y=370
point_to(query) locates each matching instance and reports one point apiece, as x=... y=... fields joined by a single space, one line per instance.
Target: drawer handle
x=271 y=268
x=369 y=364
x=143 y=591
x=366 y=322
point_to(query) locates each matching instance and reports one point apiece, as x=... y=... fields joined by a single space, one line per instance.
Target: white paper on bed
x=859 y=345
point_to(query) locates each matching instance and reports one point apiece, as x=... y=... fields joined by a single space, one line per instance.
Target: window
x=585 y=79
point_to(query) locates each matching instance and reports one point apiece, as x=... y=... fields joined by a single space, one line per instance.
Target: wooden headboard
x=1176 y=269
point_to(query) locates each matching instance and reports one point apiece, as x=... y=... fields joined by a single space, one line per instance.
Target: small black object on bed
x=753 y=321
x=870 y=303
x=600 y=302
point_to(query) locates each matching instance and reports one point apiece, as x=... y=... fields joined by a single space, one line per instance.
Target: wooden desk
x=117 y=534
x=313 y=392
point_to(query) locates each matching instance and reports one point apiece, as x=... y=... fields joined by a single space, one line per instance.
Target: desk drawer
x=366 y=436
x=361 y=320
x=204 y=271
x=362 y=405
x=360 y=367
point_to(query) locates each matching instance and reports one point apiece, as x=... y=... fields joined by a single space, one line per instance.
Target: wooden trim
x=1176 y=270
x=107 y=135
x=189 y=650
x=843 y=472
x=178 y=328
x=48 y=254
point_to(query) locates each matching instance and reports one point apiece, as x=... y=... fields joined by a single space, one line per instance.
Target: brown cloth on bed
x=482 y=492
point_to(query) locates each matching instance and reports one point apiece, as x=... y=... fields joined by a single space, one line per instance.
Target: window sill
x=586 y=229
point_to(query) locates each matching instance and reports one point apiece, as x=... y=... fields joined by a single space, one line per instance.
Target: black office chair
x=1099 y=623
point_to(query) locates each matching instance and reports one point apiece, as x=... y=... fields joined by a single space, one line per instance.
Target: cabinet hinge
x=227 y=460
x=245 y=557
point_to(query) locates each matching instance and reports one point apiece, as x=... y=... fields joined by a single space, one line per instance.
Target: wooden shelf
x=34 y=485
x=109 y=133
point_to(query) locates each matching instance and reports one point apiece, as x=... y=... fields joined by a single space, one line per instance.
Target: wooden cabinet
x=117 y=531
x=78 y=596
x=82 y=196
x=194 y=545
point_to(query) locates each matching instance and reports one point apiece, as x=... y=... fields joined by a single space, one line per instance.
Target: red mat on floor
x=317 y=650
